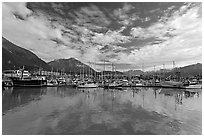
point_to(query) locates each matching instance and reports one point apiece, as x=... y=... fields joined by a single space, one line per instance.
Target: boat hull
x=171 y=84
x=111 y=86
x=88 y=86
x=193 y=87
x=29 y=83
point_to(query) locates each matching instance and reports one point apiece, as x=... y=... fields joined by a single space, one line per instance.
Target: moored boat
x=171 y=84
x=87 y=85
x=112 y=85
x=22 y=78
x=17 y=82
x=197 y=86
x=52 y=83
x=61 y=81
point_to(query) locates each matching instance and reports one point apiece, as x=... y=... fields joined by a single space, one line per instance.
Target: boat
x=171 y=84
x=22 y=78
x=192 y=84
x=7 y=82
x=52 y=83
x=18 y=82
x=197 y=86
x=113 y=85
x=87 y=85
x=61 y=81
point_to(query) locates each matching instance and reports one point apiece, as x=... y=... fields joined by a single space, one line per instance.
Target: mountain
x=113 y=73
x=133 y=72
x=186 y=71
x=13 y=55
x=191 y=70
x=71 y=65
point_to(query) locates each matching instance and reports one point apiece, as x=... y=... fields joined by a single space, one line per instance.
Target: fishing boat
x=20 y=82
x=23 y=79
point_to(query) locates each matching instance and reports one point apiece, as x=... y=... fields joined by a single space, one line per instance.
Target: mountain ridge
x=71 y=65
x=14 y=56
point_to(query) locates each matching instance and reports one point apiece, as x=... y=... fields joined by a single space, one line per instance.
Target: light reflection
x=111 y=108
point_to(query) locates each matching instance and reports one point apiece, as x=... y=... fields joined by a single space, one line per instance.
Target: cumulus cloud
x=17 y=8
x=124 y=16
x=182 y=35
x=110 y=37
x=85 y=33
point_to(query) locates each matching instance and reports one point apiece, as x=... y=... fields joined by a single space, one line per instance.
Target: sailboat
x=172 y=84
x=87 y=84
x=113 y=84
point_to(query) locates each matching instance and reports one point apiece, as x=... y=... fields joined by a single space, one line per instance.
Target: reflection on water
x=62 y=110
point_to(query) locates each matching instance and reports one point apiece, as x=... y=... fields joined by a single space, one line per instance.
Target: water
x=62 y=110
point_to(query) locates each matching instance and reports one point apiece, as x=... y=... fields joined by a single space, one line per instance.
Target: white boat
x=197 y=86
x=52 y=83
x=138 y=84
x=171 y=84
x=113 y=85
x=87 y=85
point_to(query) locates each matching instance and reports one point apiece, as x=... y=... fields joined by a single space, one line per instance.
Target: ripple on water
x=97 y=111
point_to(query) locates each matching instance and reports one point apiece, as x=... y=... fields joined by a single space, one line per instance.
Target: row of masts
x=91 y=73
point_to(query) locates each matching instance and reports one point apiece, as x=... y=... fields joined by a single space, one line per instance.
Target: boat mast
x=90 y=70
x=83 y=72
x=95 y=71
x=115 y=73
x=80 y=73
x=112 y=73
x=164 y=71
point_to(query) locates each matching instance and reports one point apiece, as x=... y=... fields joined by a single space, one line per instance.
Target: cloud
x=35 y=33
x=124 y=16
x=86 y=33
x=17 y=8
x=110 y=37
x=181 y=37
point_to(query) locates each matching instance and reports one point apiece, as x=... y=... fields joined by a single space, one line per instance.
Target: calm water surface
x=62 y=110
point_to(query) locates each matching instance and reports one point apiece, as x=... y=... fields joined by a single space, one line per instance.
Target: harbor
x=101 y=68
x=90 y=79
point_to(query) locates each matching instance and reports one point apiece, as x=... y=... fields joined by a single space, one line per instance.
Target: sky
x=132 y=35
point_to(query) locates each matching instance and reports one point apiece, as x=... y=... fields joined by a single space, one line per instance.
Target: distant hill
x=187 y=71
x=112 y=73
x=133 y=72
x=13 y=55
x=191 y=70
x=70 y=65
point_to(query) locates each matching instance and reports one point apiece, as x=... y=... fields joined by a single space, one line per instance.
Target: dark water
x=64 y=110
